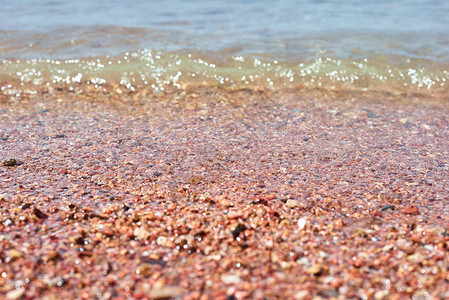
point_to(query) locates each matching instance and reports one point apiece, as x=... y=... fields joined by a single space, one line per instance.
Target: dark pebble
x=387 y=207
x=39 y=213
x=11 y=162
x=237 y=230
x=26 y=205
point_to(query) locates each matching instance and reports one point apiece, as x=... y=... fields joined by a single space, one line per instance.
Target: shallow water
x=387 y=45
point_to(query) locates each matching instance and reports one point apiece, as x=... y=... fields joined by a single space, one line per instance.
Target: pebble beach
x=224 y=150
x=224 y=193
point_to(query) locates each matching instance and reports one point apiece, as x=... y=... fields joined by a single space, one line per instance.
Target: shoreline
x=214 y=193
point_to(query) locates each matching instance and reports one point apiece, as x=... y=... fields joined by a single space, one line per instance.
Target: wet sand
x=224 y=194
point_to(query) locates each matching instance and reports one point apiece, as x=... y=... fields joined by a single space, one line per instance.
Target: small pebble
x=15 y=294
x=14 y=254
x=144 y=270
x=166 y=292
x=292 y=203
x=40 y=214
x=141 y=233
x=11 y=162
x=230 y=278
x=411 y=210
x=301 y=295
x=315 y=269
x=387 y=207
x=302 y=223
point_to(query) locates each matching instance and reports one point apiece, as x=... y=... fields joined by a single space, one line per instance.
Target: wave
x=157 y=71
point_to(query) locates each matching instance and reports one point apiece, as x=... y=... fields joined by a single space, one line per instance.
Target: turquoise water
x=360 y=44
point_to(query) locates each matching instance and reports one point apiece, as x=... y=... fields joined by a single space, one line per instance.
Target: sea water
x=392 y=46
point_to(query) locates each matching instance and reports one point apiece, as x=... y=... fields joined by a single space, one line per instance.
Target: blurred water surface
x=365 y=43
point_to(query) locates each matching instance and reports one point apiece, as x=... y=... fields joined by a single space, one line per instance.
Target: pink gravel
x=224 y=194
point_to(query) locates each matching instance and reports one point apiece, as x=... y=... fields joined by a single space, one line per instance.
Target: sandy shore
x=225 y=195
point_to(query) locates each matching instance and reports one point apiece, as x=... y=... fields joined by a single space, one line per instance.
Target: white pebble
x=302 y=223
